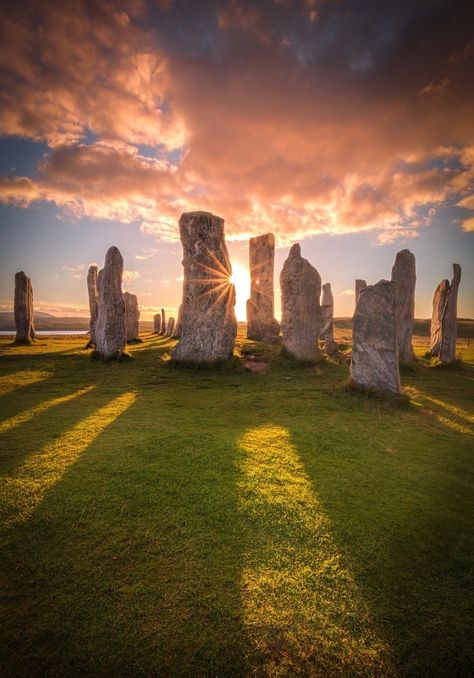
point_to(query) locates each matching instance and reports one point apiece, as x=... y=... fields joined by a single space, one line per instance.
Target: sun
x=241 y=279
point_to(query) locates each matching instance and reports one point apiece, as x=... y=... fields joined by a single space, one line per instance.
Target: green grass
x=160 y=521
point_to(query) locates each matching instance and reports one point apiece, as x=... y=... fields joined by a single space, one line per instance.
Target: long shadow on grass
x=136 y=553
x=396 y=496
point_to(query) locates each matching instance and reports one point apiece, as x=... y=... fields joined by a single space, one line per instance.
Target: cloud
x=76 y=271
x=146 y=254
x=348 y=293
x=296 y=117
x=130 y=276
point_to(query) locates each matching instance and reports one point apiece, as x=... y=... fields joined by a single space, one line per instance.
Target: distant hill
x=46 y=321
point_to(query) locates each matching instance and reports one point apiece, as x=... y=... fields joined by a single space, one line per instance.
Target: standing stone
x=301 y=313
x=23 y=308
x=110 y=328
x=327 y=314
x=439 y=302
x=93 y=301
x=261 y=324
x=404 y=277
x=359 y=285
x=374 y=362
x=209 y=325
x=132 y=316
x=170 y=327
x=444 y=318
x=179 y=323
x=163 y=321
x=157 y=323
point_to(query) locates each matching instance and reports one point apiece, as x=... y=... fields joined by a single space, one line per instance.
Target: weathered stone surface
x=23 y=308
x=439 y=302
x=300 y=285
x=93 y=293
x=261 y=322
x=132 y=316
x=179 y=323
x=170 y=327
x=444 y=318
x=359 y=285
x=157 y=323
x=374 y=362
x=404 y=277
x=209 y=325
x=110 y=327
x=163 y=321
x=326 y=332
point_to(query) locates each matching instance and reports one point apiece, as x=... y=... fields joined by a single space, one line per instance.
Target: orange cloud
x=284 y=124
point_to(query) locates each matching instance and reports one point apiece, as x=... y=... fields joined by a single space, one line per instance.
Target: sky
x=345 y=125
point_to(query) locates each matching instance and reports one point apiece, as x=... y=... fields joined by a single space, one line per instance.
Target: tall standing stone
x=439 y=302
x=326 y=333
x=93 y=293
x=157 y=323
x=209 y=325
x=359 y=285
x=261 y=323
x=179 y=323
x=132 y=316
x=163 y=321
x=170 y=327
x=404 y=277
x=374 y=362
x=23 y=308
x=300 y=285
x=110 y=328
x=444 y=318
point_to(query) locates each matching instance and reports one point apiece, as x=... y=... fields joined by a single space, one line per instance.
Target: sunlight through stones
x=301 y=313
x=301 y=605
x=21 y=492
x=374 y=363
x=23 y=308
x=209 y=325
x=11 y=382
x=23 y=417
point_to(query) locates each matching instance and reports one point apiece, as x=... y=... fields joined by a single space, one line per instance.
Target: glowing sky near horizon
x=344 y=125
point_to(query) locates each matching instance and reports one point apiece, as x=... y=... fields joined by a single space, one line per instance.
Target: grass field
x=177 y=522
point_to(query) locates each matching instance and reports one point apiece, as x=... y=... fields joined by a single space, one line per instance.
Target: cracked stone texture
x=179 y=323
x=300 y=285
x=261 y=322
x=209 y=325
x=404 y=277
x=110 y=327
x=374 y=362
x=23 y=308
x=444 y=318
x=93 y=294
x=132 y=316
x=359 y=285
x=326 y=332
